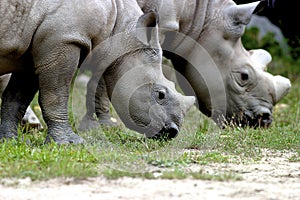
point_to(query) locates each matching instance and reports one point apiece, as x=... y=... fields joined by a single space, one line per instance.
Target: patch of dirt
x=274 y=177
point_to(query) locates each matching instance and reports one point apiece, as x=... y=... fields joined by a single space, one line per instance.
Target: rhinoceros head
x=249 y=91
x=143 y=98
x=252 y=91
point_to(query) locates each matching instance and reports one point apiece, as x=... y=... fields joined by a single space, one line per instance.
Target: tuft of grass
x=200 y=175
x=295 y=158
x=216 y=177
x=115 y=174
x=174 y=174
x=205 y=158
x=19 y=159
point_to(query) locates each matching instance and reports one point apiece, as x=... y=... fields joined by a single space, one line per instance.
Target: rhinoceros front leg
x=102 y=105
x=55 y=72
x=15 y=99
x=97 y=102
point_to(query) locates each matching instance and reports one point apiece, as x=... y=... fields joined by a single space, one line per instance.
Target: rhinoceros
x=43 y=42
x=202 y=38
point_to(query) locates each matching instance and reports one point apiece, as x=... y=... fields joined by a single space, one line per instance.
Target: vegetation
x=118 y=152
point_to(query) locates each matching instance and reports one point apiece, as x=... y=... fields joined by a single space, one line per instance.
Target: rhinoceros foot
x=107 y=120
x=64 y=135
x=65 y=138
x=88 y=123
x=7 y=134
x=8 y=130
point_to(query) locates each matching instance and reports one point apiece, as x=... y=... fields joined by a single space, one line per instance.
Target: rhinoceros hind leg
x=7 y=135
x=55 y=75
x=15 y=99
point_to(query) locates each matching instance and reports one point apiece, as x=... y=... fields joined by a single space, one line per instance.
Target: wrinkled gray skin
x=42 y=43
x=29 y=119
x=231 y=83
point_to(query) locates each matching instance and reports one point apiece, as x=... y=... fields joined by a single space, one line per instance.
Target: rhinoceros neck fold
x=192 y=21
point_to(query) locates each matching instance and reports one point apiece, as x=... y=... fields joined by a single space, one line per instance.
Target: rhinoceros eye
x=244 y=76
x=161 y=95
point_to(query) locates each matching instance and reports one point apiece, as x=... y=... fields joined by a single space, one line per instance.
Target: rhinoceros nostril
x=265 y=119
x=265 y=116
x=172 y=130
x=168 y=132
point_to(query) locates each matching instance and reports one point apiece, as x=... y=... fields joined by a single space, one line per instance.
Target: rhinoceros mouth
x=168 y=132
x=257 y=120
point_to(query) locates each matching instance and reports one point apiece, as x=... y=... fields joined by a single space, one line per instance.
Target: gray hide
x=42 y=43
x=202 y=38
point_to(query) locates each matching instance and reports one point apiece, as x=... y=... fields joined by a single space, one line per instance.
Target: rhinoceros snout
x=262 y=119
x=171 y=130
x=168 y=132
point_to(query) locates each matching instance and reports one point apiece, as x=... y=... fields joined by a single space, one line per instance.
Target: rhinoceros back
x=19 y=20
x=14 y=14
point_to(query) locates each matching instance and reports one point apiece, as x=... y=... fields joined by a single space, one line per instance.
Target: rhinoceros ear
x=260 y=58
x=244 y=12
x=147 y=31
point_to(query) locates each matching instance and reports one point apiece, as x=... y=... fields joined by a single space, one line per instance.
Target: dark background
x=286 y=15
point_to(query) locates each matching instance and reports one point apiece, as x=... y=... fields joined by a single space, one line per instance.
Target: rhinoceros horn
x=282 y=86
x=244 y=12
x=188 y=102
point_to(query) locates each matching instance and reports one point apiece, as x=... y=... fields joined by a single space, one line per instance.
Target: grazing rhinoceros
x=29 y=118
x=202 y=38
x=42 y=43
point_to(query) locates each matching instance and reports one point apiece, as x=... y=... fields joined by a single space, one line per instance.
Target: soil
x=273 y=177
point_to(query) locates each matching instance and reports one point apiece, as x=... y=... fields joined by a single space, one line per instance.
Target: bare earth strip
x=274 y=177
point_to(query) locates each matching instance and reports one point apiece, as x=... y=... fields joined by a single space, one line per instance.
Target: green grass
x=119 y=152
x=41 y=162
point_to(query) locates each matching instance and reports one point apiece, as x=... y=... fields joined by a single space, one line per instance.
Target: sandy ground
x=274 y=177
